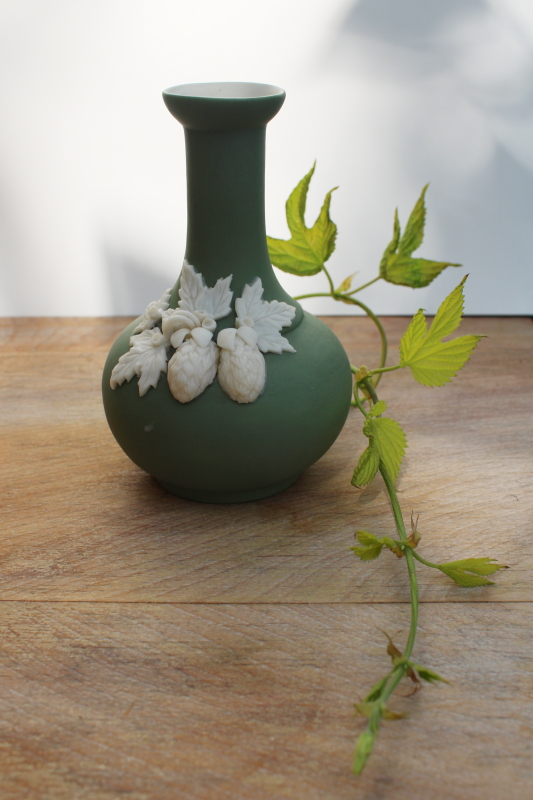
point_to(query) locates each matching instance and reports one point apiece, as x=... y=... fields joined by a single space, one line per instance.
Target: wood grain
x=81 y=522
x=243 y=689
x=236 y=702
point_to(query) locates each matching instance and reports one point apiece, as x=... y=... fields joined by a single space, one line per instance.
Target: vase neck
x=226 y=210
x=225 y=203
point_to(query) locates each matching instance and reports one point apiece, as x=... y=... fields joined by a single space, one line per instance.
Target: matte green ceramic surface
x=214 y=449
x=226 y=232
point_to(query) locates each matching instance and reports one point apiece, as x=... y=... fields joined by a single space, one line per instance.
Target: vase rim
x=225 y=90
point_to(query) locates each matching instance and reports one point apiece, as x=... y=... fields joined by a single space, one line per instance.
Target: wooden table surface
x=154 y=648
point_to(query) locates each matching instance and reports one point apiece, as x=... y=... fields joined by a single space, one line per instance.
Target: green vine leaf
x=471 y=571
x=346 y=285
x=428 y=674
x=397 y=266
x=366 y=468
x=366 y=709
x=363 y=750
x=308 y=248
x=377 y=409
x=372 y=546
x=431 y=361
x=377 y=690
x=387 y=437
x=378 y=709
x=386 y=713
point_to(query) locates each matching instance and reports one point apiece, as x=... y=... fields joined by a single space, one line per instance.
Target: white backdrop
x=385 y=94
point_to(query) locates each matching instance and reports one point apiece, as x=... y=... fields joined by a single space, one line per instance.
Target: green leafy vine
x=432 y=362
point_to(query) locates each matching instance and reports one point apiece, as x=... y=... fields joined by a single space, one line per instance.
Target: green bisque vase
x=213 y=449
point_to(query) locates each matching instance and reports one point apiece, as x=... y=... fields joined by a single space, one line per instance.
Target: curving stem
x=400 y=670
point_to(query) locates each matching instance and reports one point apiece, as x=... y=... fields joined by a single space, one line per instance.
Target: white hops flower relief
x=236 y=356
x=192 y=368
x=242 y=370
x=194 y=364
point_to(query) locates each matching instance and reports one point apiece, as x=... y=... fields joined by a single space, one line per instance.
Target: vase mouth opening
x=226 y=90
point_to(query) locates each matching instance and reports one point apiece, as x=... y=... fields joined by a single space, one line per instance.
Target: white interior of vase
x=229 y=90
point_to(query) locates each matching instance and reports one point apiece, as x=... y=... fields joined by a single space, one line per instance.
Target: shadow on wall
x=459 y=78
x=409 y=23
x=133 y=284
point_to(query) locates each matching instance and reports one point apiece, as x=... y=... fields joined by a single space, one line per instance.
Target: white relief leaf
x=146 y=358
x=196 y=296
x=217 y=301
x=271 y=341
x=249 y=304
x=153 y=312
x=268 y=318
x=124 y=370
x=192 y=288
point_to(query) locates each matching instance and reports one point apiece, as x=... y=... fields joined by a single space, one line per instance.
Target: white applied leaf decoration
x=196 y=296
x=189 y=328
x=153 y=312
x=268 y=318
x=146 y=358
x=237 y=354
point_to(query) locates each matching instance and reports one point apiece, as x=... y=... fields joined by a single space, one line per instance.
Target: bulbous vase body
x=214 y=449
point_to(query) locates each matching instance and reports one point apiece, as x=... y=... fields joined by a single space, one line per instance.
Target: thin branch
x=377 y=323
x=360 y=288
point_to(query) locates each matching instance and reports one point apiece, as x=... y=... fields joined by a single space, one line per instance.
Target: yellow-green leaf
x=366 y=468
x=479 y=566
x=471 y=572
x=371 y=548
x=387 y=436
x=465 y=579
x=368 y=553
x=376 y=708
x=386 y=713
x=428 y=674
x=308 y=248
x=346 y=284
x=413 y=234
x=414 y=272
x=365 y=709
x=363 y=749
x=392 y=246
x=377 y=690
x=431 y=361
x=378 y=408
x=366 y=538
x=397 y=266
